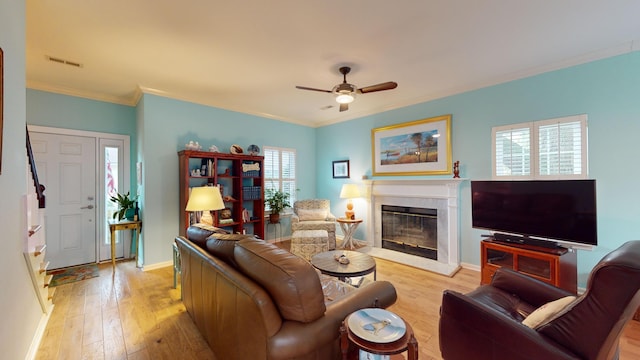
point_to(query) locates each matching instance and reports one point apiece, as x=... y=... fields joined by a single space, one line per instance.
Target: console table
x=134 y=226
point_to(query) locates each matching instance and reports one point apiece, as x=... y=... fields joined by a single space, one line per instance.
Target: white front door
x=66 y=166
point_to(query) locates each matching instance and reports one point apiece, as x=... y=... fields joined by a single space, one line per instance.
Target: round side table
x=348 y=227
x=406 y=343
x=359 y=264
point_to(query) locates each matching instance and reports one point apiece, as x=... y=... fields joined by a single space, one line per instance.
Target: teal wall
x=68 y=112
x=62 y=111
x=169 y=124
x=608 y=91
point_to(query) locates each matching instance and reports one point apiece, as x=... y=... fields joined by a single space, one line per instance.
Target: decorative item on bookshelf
x=193 y=145
x=225 y=214
x=253 y=149
x=251 y=169
x=236 y=149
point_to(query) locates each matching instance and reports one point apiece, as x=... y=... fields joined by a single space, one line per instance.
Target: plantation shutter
x=280 y=171
x=560 y=148
x=545 y=149
x=512 y=148
x=289 y=174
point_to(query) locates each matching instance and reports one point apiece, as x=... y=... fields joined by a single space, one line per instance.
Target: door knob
x=87 y=207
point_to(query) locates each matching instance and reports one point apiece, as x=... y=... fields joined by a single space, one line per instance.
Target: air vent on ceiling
x=63 y=61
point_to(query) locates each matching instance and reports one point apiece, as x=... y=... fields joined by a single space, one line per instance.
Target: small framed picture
x=341 y=169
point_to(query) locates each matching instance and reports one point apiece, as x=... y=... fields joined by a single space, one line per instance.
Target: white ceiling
x=248 y=55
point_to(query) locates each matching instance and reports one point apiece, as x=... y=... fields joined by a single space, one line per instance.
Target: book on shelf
x=225 y=221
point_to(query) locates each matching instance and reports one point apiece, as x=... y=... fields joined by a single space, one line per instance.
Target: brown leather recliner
x=253 y=300
x=487 y=323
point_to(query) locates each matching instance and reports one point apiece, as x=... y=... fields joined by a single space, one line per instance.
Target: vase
x=274 y=218
x=129 y=213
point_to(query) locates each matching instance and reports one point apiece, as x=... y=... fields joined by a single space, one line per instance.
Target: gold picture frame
x=420 y=147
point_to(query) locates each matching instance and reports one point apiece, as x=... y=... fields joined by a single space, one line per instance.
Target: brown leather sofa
x=253 y=300
x=487 y=323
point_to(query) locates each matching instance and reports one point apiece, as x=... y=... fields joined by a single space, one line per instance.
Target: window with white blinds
x=280 y=171
x=512 y=151
x=555 y=148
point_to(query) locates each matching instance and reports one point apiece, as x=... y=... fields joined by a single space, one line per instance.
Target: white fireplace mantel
x=440 y=194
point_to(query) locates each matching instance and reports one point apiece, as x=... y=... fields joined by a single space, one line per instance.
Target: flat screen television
x=563 y=210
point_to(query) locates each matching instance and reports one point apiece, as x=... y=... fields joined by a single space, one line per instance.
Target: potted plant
x=276 y=200
x=126 y=206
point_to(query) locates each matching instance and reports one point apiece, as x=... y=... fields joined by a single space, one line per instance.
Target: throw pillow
x=547 y=311
x=292 y=282
x=312 y=214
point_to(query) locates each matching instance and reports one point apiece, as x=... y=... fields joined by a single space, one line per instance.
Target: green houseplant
x=276 y=201
x=126 y=206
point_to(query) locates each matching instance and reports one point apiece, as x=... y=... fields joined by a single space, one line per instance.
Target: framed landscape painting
x=421 y=147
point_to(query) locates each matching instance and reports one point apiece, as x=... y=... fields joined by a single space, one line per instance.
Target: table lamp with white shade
x=205 y=199
x=349 y=192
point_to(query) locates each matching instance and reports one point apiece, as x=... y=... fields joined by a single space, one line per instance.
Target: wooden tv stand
x=556 y=266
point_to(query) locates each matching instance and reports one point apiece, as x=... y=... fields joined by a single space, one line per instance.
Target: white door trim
x=100 y=228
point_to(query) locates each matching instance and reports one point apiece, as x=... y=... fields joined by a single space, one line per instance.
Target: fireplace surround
x=439 y=194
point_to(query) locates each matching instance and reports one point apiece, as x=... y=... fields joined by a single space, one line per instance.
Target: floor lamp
x=205 y=199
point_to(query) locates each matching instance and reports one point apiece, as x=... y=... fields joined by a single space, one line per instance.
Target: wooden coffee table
x=359 y=264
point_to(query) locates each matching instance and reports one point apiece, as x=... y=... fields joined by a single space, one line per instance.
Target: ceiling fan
x=345 y=93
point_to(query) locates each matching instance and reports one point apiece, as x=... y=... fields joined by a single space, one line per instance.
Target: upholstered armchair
x=517 y=317
x=314 y=214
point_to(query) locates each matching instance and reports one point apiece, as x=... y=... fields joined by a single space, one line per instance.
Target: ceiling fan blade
x=379 y=87
x=344 y=107
x=312 y=89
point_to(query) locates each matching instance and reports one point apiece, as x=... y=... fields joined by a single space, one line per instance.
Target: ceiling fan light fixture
x=344 y=98
x=345 y=93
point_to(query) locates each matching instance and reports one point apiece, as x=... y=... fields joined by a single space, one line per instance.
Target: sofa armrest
x=325 y=330
x=295 y=218
x=489 y=334
x=330 y=217
x=530 y=290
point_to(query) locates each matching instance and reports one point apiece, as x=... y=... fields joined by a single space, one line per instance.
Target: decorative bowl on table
x=376 y=325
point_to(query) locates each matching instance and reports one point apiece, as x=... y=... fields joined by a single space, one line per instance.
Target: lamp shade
x=205 y=198
x=349 y=191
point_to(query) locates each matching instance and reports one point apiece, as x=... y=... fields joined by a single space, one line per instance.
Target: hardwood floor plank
x=132 y=329
x=93 y=351
x=71 y=342
x=50 y=344
x=137 y=315
x=92 y=331
x=113 y=338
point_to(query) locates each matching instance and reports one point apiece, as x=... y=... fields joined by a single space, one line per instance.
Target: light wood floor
x=138 y=315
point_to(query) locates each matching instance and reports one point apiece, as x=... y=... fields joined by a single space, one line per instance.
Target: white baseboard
x=37 y=337
x=473 y=267
x=157 y=265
